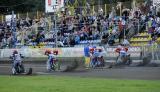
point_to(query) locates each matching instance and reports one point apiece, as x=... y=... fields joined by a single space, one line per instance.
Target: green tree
x=7 y=6
x=33 y=5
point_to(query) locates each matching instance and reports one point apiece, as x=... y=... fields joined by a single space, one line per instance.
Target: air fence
x=137 y=53
x=72 y=58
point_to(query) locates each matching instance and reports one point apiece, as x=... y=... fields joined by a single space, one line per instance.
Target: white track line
x=43 y=73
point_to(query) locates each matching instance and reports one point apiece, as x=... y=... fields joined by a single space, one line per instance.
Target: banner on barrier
x=66 y=52
x=62 y=52
x=133 y=51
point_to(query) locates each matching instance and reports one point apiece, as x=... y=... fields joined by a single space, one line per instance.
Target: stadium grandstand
x=84 y=22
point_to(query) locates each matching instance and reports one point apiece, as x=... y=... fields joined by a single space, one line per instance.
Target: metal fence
x=153 y=51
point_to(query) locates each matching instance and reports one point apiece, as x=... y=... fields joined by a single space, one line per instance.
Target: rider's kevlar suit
x=94 y=58
x=50 y=61
x=122 y=54
x=122 y=51
x=16 y=59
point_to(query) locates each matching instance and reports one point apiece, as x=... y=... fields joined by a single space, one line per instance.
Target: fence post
x=37 y=15
x=2 y=18
x=141 y=54
x=146 y=26
x=152 y=48
x=27 y=14
x=120 y=7
x=138 y=26
x=105 y=9
x=18 y=15
x=93 y=10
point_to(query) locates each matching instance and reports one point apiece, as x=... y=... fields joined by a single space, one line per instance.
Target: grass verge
x=72 y=84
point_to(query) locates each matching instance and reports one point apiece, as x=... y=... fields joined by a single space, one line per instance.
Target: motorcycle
x=18 y=69
x=97 y=62
x=53 y=64
x=125 y=60
x=122 y=61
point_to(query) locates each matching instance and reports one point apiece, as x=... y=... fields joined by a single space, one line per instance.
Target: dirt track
x=146 y=73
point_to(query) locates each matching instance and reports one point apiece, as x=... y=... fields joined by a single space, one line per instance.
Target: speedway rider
x=16 y=59
x=94 y=53
x=51 y=59
x=101 y=58
x=122 y=51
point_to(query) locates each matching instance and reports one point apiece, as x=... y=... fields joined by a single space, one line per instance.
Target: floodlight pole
x=55 y=24
x=13 y=25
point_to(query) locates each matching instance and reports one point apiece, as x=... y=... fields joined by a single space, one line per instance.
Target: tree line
x=22 y=6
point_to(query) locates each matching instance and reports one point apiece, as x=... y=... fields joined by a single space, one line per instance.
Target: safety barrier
x=39 y=52
x=71 y=52
x=135 y=52
x=77 y=53
x=68 y=58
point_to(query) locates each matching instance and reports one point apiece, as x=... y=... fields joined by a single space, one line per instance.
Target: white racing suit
x=123 y=53
x=16 y=58
x=50 y=61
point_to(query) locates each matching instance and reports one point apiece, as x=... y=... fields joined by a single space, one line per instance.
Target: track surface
x=146 y=73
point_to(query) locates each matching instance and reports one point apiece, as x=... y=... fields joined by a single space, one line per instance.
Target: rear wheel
x=119 y=60
x=29 y=71
x=17 y=68
x=129 y=60
x=56 y=66
x=22 y=70
x=14 y=71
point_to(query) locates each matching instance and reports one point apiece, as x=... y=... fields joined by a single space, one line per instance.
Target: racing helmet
x=91 y=50
x=47 y=52
x=119 y=46
x=51 y=52
x=100 y=50
x=15 y=52
x=55 y=52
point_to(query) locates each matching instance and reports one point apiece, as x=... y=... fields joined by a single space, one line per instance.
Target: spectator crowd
x=78 y=29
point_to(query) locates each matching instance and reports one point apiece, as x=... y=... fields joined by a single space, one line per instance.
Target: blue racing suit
x=50 y=61
x=94 y=59
x=123 y=53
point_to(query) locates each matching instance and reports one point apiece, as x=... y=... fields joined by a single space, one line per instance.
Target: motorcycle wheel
x=22 y=70
x=129 y=62
x=14 y=71
x=29 y=71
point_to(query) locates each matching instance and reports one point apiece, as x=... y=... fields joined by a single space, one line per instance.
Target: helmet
x=51 y=52
x=55 y=52
x=119 y=46
x=47 y=52
x=15 y=52
x=123 y=49
x=92 y=50
x=94 y=47
x=100 y=50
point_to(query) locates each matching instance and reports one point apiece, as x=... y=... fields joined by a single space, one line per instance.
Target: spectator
x=125 y=42
x=74 y=29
